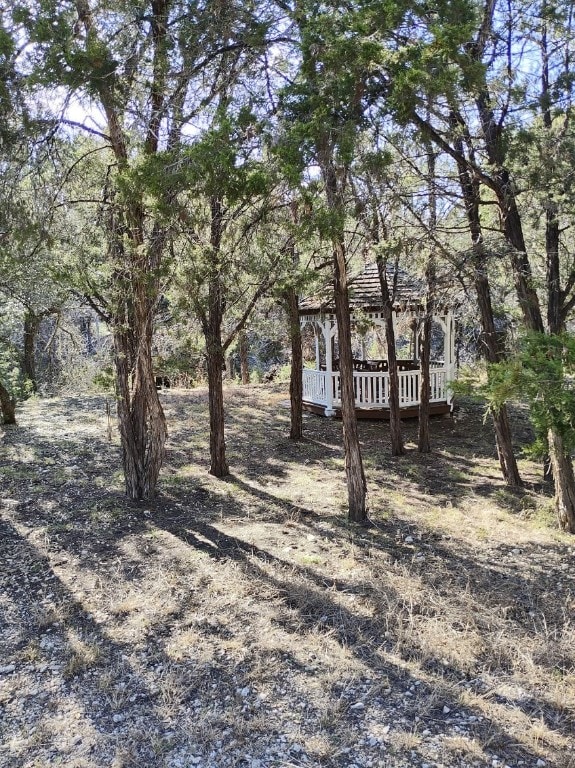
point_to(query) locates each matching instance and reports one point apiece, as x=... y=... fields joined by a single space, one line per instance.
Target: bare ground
x=243 y=622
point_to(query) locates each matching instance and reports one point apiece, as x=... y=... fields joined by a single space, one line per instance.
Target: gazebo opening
x=321 y=387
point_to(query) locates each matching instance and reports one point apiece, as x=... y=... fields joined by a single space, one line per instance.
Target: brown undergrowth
x=246 y=617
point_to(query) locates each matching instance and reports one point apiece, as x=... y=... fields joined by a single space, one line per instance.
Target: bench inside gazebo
x=321 y=386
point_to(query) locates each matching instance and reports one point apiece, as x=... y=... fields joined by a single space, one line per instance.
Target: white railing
x=371 y=389
x=314 y=386
x=438 y=384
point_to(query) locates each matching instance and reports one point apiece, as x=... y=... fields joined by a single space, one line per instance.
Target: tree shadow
x=372 y=622
x=258 y=447
x=70 y=685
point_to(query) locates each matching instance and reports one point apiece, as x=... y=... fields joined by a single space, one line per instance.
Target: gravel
x=140 y=638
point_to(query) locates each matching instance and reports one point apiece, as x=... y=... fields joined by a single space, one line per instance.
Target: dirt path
x=244 y=623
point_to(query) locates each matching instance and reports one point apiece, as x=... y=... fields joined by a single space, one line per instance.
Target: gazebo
x=321 y=386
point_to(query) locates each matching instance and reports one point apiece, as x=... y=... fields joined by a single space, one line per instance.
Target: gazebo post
x=317 y=354
x=452 y=345
x=448 y=342
x=449 y=352
x=415 y=325
x=328 y=332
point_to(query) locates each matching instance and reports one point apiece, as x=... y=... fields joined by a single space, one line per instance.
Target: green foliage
x=283 y=374
x=11 y=374
x=6 y=53
x=105 y=379
x=543 y=374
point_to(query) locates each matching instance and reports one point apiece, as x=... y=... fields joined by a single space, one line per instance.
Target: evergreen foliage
x=542 y=374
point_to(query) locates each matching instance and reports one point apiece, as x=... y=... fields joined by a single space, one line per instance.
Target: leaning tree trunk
x=504 y=445
x=562 y=467
x=505 y=192
x=491 y=350
x=296 y=382
x=493 y=354
x=7 y=406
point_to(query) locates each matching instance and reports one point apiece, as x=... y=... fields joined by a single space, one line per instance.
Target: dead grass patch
x=229 y=610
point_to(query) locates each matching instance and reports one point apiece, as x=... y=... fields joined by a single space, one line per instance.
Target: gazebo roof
x=365 y=293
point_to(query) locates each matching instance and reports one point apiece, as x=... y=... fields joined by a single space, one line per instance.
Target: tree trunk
x=356 y=485
x=423 y=440
x=504 y=445
x=141 y=418
x=522 y=275
x=296 y=383
x=243 y=349
x=230 y=366
x=555 y=317
x=555 y=297
x=31 y=328
x=492 y=351
x=397 y=448
x=212 y=327
x=7 y=406
x=140 y=415
x=493 y=354
x=562 y=466
x=136 y=246
x=504 y=188
x=335 y=179
x=215 y=358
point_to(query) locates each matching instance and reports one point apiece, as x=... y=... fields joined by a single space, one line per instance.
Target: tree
x=223 y=261
x=148 y=73
x=7 y=405
x=491 y=348
x=541 y=372
x=30 y=257
x=290 y=296
x=495 y=110
x=423 y=440
x=324 y=127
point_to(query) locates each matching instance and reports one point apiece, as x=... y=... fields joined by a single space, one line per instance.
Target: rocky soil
x=243 y=622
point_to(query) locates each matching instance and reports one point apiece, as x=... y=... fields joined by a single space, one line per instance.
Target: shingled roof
x=365 y=292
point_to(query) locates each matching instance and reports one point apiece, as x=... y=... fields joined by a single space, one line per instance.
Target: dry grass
x=255 y=594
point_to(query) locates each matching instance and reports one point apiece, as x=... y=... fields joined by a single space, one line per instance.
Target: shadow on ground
x=157 y=627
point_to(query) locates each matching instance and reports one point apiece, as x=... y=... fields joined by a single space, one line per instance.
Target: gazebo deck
x=381 y=414
x=321 y=391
